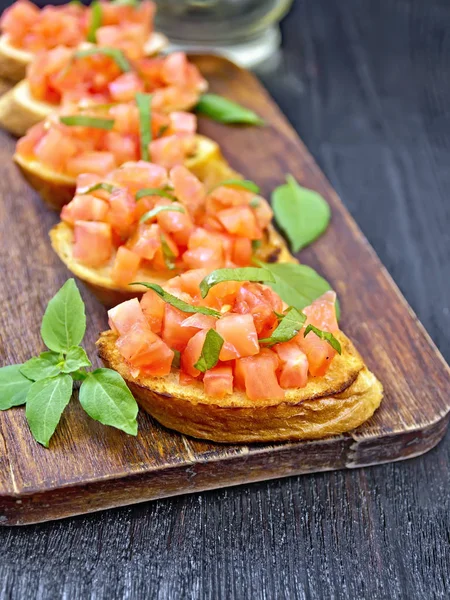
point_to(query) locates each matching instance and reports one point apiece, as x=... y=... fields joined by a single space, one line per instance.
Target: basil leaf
x=13 y=387
x=153 y=192
x=76 y=358
x=243 y=274
x=144 y=104
x=289 y=326
x=298 y=285
x=246 y=184
x=155 y=211
x=96 y=21
x=209 y=356
x=46 y=401
x=85 y=121
x=324 y=335
x=107 y=187
x=64 y=321
x=106 y=398
x=176 y=302
x=176 y=362
x=38 y=368
x=226 y=111
x=167 y=254
x=53 y=357
x=117 y=56
x=302 y=213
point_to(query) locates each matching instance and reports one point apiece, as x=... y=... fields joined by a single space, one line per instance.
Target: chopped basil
x=86 y=121
x=176 y=302
x=290 y=324
x=144 y=104
x=324 y=335
x=117 y=55
x=243 y=274
x=209 y=356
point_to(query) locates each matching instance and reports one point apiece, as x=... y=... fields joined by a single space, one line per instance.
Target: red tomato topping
x=239 y=334
x=125 y=267
x=153 y=308
x=125 y=315
x=294 y=365
x=191 y=353
x=218 y=381
x=142 y=348
x=257 y=375
x=173 y=333
x=93 y=242
x=85 y=208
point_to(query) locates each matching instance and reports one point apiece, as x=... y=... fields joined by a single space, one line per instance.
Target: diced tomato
x=125 y=87
x=263 y=213
x=18 y=19
x=260 y=302
x=178 y=224
x=126 y=119
x=322 y=314
x=218 y=381
x=171 y=98
x=25 y=146
x=100 y=163
x=240 y=221
x=173 y=333
x=125 y=267
x=187 y=188
x=145 y=350
x=204 y=251
x=93 y=242
x=123 y=316
x=242 y=251
x=294 y=365
x=185 y=379
x=170 y=151
x=121 y=213
x=146 y=241
x=84 y=208
x=190 y=281
x=153 y=308
x=138 y=175
x=54 y=149
x=223 y=295
x=124 y=147
x=257 y=374
x=183 y=122
x=192 y=352
x=239 y=335
x=200 y=321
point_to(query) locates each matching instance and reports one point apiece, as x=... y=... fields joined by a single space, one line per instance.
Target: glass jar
x=244 y=30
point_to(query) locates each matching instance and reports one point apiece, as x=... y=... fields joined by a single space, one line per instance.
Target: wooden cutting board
x=90 y=467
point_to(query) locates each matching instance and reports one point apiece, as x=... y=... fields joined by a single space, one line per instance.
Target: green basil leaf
x=107 y=187
x=242 y=274
x=13 y=387
x=46 y=401
x=176 y=362
x=86 y=121
x=226 y=111
x=96 y=21
x=209 y=356
x=176 y=302
x=246 y=184
x=38 y=368
x=288 y=327
x=76 y=358
x=302 y=213
x=167 y=254
x=298 y=285
x=142 y=193
x=52 y=357
x=155 y=211
x=64 y=321
x=117 y=55
x=105 y=397
x=324 y=335
x=144 y=104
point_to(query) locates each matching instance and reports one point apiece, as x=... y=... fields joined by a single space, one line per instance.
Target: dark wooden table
x=367 y=85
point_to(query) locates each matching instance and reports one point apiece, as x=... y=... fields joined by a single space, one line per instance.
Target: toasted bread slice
x=14 y=61
x=340 y=401
x=57 y=189
x=19 y=110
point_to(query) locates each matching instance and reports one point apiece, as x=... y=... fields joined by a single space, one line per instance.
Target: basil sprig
x=44 y=383
x=144 y=192
x=290 y=324
x=324 y=335
x=226 y=111
x=303 y=214
x=107 y=187
x=86 y=121
x=243 y=274
x=96 y=21
x=246 y=184
x=176 y=302
x=209 y=356
x=158 y=209
x=168 y=255
x=144 y=104
x=117 y=55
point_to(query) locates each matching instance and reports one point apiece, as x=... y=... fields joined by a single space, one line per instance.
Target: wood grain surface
x=366 y=86
x=90 y=467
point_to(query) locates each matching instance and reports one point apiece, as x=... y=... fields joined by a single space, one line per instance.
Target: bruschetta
x=63 y=78
x=52 y=154
x=236 y=365
x=143 y=222
x=27 y=30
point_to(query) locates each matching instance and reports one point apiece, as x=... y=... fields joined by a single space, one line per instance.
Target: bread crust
x=340 y=401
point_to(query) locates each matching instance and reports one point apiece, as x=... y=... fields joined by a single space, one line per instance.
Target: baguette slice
x=340 y=401
x=58 y=189
x=14 y=61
